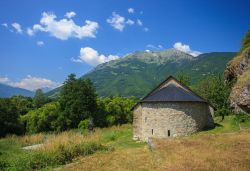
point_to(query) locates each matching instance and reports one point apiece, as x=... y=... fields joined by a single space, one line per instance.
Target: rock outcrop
x=238 y=72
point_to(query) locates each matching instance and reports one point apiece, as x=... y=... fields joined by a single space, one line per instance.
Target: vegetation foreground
x=227 y=147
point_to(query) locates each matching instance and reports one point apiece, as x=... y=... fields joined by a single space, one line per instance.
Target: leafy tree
x=43 y=119
x=23 y=104
x=39 y=99
x=9 y=118
x=114 y=110
x=77 y=101
x=184 y=78
x=216 y=92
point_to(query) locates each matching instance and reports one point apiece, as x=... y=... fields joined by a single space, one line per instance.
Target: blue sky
x=41 y=42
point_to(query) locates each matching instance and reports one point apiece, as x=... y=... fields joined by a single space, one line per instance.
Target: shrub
x=9 y=118
x=110 y=136
x=83 y=125
x=242 y=117
x=42 y=119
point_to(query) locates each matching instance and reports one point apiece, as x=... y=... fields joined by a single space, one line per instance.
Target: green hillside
x=137 y=73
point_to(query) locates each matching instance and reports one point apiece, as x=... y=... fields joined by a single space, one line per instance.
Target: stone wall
x=137 y=122
x=170 y=119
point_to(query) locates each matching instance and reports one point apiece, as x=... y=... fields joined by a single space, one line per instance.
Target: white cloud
x=116 y=21
x=40 y=43
x=130 y=22
x=147 y=50
x=65 y=28
x=70 y=14
x=139 y=22
x=17 y=27
x=30 y=83
x=92 y=57
x=33 y=83
x=146 y=29
x=186 y=48
x=30 y=32
x=131 y=10
x=5 y=25
x=119 y=22
x=156 y=47
x=4 y=79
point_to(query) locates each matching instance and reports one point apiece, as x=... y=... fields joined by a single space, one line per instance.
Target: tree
x=43 y=119
x=23 y=104
x=9 y=118
x=216 y=92
x=77 y=101
x=184 y=78
x=39 y=99
x=114 y=110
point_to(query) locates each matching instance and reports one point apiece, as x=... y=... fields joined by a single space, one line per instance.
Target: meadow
x=227 y=147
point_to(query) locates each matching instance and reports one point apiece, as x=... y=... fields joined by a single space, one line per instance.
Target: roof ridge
x=185 y=88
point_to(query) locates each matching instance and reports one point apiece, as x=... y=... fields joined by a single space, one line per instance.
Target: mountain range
x=8 y=91
x=137 y=73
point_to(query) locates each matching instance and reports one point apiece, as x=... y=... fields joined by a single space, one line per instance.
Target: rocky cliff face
x=238 y=71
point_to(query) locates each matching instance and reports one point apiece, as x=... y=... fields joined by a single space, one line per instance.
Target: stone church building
x=170 y=110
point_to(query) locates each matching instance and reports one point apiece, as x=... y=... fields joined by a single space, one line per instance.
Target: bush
x=222 y=112
x=83 y=125
x=242 y=117
x=110 y=136
x=42 y=119
x=9 y=118
x=114 y=111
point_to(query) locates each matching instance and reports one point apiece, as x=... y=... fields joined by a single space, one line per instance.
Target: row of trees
x=11 y=110
x=77 y=103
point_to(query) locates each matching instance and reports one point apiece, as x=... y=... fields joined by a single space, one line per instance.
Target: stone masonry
x=170 y=119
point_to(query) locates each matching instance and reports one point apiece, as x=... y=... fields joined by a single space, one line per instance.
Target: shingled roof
x=173 y=93
x=171 y=90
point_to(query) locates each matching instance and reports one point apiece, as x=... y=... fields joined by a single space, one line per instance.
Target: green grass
x=243 y=120
x=121 y=138
x=68 y=146
x=229 y=124
x=63 y=148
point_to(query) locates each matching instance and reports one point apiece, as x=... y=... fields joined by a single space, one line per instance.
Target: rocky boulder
x=238 y=73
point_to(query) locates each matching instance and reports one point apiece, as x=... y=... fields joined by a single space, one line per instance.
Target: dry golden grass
x=229 y=151
x=27 y=140
x=236 y=60
x=67 y=139
x=242 y=80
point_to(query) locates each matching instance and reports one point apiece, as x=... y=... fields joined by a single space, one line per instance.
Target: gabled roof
x=171 y=90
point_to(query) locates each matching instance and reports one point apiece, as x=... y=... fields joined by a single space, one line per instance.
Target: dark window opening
x=152 y=131
x=169 y=133
x=145 y=119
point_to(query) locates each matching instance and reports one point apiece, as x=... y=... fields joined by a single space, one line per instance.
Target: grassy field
x=227 y=147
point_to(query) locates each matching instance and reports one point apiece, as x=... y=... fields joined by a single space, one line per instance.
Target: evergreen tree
x=9 y=118
x=39 y=99
x=77 y=101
